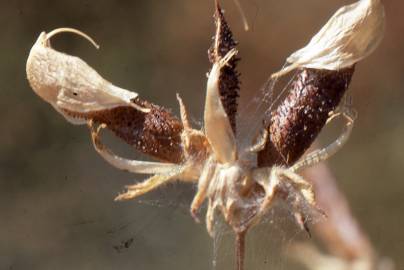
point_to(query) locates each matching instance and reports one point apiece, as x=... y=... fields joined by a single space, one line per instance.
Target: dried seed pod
x=68 y=83
x=229 y=77
x=326 y=68
x=80 y=94
x=218 y=129
x=351 y=35
x=156 y=133
x=299 y=119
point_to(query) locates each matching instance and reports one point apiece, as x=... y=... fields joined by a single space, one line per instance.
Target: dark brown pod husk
x=156 y=133
x=229 y=78
x=299 y=119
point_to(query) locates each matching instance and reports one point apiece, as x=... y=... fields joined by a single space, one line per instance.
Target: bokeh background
x=56 y=194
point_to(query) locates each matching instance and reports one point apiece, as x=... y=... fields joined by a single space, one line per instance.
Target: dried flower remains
x=212 y=158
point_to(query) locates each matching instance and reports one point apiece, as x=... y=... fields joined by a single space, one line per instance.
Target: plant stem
x=240 y=249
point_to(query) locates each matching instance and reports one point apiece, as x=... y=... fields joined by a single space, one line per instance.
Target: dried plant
x=226 y=175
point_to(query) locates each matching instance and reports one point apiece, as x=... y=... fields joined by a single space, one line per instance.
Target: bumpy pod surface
x=156 y=133
x=299 y=119
x=229 y=87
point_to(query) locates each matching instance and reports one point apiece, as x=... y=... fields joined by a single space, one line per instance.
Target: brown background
x=56 y=194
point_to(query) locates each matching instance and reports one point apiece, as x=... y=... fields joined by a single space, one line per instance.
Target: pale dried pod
x=69 y=84
x=351 y=35
x=218 y=129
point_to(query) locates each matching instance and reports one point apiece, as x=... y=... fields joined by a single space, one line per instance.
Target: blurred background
x=56 y=194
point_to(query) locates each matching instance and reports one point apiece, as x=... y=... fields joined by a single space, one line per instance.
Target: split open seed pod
x=69 y=84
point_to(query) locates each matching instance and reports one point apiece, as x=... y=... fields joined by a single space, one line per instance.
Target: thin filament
x=242 y=14
x=71 y=30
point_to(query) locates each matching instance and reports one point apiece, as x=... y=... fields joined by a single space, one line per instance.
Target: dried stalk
x=229 y=88
x=240 y=249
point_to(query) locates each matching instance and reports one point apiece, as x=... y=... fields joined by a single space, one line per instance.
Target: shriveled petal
x=217 y=126
x=351 y=34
